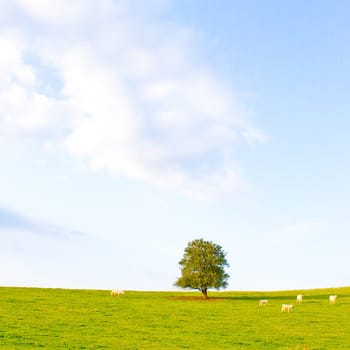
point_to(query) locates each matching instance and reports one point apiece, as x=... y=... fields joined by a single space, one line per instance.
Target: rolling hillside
x=32 y=318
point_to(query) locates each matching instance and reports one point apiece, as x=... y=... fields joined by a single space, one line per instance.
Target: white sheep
x=286 y=307
x=116 y=292
x=299 y=298
x=332 y=299
x=263 y=302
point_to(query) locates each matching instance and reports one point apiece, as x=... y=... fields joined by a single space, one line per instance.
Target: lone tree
x=202 y=267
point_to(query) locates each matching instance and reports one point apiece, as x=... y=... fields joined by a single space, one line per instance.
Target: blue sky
x=129 y=128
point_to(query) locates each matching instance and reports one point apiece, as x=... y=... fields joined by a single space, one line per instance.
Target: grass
x=33 y=318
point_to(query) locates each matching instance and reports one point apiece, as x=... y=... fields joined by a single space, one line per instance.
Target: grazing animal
x=116 y=292
x=286 y=307
x=332 y=299
x=263 y=302
x=299 y=298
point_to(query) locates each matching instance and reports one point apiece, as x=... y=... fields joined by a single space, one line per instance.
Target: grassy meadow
x=33 y=318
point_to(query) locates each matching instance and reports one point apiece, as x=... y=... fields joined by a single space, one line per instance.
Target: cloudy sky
x=129 y=128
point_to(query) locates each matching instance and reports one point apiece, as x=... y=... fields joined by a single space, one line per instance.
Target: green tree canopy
x=203 y=267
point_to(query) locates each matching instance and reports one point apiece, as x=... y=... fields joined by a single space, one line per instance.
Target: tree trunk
x=205 y=293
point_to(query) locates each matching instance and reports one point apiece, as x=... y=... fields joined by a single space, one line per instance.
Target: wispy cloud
x=129 y=92
x=12 y=221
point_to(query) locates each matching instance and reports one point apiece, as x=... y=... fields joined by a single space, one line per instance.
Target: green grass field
x=32 y=318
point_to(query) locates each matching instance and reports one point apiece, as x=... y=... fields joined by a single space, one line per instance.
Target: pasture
x=33 y=318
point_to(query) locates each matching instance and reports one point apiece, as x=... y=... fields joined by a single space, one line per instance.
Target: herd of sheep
x=262 y=302
x=289 y=307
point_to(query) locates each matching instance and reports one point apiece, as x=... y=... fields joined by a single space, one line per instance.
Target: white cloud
x=135 y=98
x=12 y=69
x=54 y=12
x=23 y=108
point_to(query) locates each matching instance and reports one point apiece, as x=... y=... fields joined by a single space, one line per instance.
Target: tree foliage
x=203 y=267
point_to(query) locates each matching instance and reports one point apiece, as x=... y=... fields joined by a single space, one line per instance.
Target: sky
x=130 y=128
